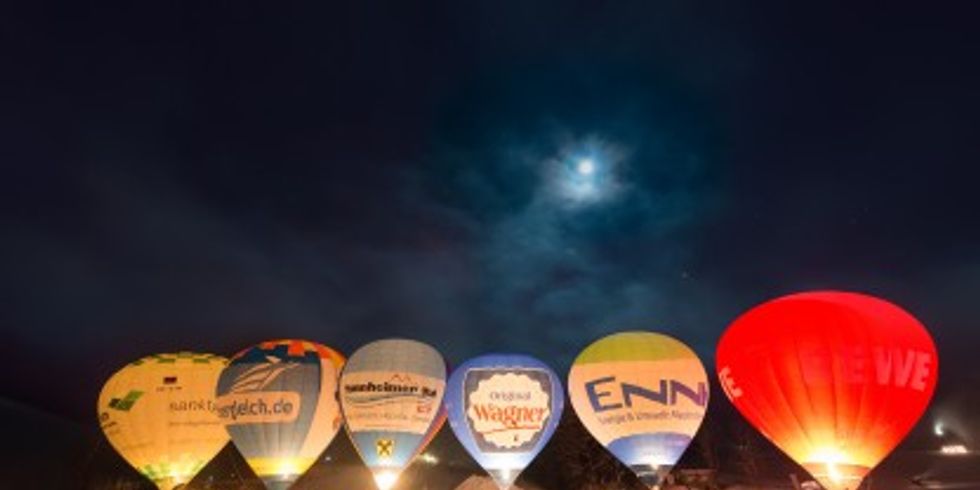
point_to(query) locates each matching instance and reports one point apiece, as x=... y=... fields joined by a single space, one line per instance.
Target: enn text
x=666 y=393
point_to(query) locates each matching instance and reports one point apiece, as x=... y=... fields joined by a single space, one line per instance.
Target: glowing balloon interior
x=836 y=380
x=278 y=401
x=643 y=396
x=503 y=409
x=391 y=393
x=158 y=413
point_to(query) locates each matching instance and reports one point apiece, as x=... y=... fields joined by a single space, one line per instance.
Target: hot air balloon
x=643 y=396
x=278 y=401
x=391 y=394
x=159 y=414
x=835 y=380
x=504 y=408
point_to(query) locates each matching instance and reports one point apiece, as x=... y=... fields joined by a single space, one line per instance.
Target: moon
x=585 y=167
x=584 y=180
x=585 y=173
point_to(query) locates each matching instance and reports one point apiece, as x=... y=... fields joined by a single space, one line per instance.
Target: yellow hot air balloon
x=643 y=396
x=159 y=414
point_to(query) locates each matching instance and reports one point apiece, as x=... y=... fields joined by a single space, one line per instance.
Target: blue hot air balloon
x=278 y=401
x=503 y=408
x=391 y=394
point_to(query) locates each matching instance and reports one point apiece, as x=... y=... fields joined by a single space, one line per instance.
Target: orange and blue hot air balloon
x=643 y=396
x=504 y=408
x=834 y=379
x=278 y=401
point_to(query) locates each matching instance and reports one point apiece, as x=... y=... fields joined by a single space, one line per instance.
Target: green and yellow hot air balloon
x=159 y=415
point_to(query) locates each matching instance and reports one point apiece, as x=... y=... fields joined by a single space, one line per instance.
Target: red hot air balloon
x=836 y=380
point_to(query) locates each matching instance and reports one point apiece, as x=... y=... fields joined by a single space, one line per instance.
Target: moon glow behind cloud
x=585 y=173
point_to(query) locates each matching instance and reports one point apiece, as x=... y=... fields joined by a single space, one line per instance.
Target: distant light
x=954 y=449
x=178 y=477
x=830 y=457
x=586 y=166
x=287 y=468
x=505 y=475
x=385 y=479
x=429 y=459
x=938 y=429
x=835 y=475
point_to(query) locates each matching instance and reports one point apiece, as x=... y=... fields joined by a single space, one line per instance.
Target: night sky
x=211 y=175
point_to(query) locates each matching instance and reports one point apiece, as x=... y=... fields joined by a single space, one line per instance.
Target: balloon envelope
x=159 y=415
x=643 y=396
x=391 y=393
x=278 y=401
x=836 y=380
x=504 y=408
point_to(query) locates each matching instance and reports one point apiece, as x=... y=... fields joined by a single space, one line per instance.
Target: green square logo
x=125 y=403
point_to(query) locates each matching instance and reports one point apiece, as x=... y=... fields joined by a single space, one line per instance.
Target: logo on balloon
x=249 y=400
x=507 y=412
x=385 y=448
x=635 y=401
x=125 y=403
x=259 y=408
x=260 y=376
x=193 y=405
x=374 y=403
